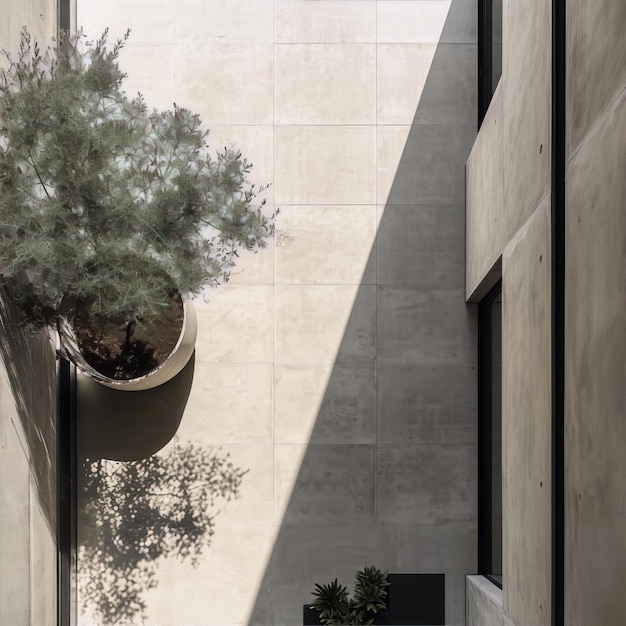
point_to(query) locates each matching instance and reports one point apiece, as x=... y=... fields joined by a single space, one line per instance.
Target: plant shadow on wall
x=31 y=371
x=137 y=512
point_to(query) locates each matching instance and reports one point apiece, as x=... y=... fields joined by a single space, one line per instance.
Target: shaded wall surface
x=508 y=234
x=27 y=421
x=595 y=322
x=337 y=367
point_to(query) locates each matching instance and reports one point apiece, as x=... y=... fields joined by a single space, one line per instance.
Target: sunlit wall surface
x=335 y=371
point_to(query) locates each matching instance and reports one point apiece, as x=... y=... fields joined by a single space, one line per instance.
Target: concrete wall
x=38 y=16
x=508 y=236
x=595 y=325
x=595 y=295
x=338 y=365
x=526 y=422
x=27 y=414
x=28 y=589
x=484 y=603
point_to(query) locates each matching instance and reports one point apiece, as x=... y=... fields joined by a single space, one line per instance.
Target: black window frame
x=486 y=85
x=485 y=440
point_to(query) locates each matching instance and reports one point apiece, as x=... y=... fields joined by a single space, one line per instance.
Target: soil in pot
x=130 y=350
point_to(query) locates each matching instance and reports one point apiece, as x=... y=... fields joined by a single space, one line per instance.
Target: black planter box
x=413 y=600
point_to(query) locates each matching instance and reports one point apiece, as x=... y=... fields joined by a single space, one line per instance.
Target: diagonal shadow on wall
x=389 y=472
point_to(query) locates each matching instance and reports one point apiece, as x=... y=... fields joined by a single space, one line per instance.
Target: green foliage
x=133 y=514
x=104 y=204
x=337 y=608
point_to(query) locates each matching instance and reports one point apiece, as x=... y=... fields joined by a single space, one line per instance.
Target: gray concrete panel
x=335 y=487
x=431 y=170
x=448 y=549
x=411 y=254
x=526 y=85
x=348 y=412
x=485 y=188
x=527 y=422
x=417 y=326
x=450 y=94
x=595 y=373
x=595 y=63
x=426 y=403
x=441 y=481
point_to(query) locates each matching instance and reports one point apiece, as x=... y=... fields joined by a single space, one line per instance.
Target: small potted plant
x=336 y=607
x=111 y=214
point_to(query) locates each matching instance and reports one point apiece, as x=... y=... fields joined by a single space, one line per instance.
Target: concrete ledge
x=484 y=603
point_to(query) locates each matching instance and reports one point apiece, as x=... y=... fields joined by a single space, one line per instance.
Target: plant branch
x=32 y=162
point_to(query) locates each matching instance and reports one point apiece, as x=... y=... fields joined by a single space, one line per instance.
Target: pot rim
x=172 y=365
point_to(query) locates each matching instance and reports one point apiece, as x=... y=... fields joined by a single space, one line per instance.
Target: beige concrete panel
x=222 y=589
x=14 y=514
x=229 y=403
x=324 y=165
x=325 y=404
x=324 y=323
x=325 y=84
x=324 y=21
x=325 y=244
x=527 y=422
x=150 y=71
x=253 y=504
x=226 y=84
x=595 y=373
x=485 y=181
x=235 y=325
x=526 y=100
x=595 y=63
x=43 y=573
x=15 y=16
x=39 y=17
x=151 y=24
x=43 y=21
x=255 y=143
x=406 y=21
x=402 y=21
x=217 y=21
x=402 y=70
x=254 y=268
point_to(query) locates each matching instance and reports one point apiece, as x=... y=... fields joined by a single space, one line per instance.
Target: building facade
x=338 y=370
x=546 y=217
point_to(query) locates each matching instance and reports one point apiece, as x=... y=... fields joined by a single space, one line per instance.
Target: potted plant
x=335 y=606
x=111 y=214
x=381 y=598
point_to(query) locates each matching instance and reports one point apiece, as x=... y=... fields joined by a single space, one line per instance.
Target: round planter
x=171 y=366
